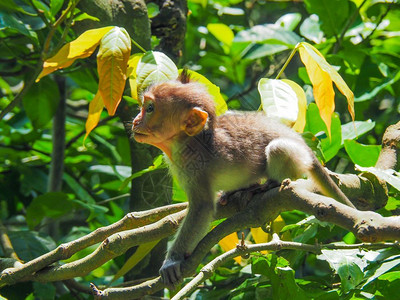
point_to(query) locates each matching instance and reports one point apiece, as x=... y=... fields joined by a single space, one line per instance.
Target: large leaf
x=363 y=155
x=390 y=176
x=112 y=63
x=220 y=104
x=279 y=100
x=95 y=109
x=82 y=47
x=154 y=67
x=51 y=205
x=355 y=129
x=321 y=74
x=41 y=101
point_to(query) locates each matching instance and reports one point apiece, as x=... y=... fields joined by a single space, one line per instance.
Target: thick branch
x=113 y=246
x=65 y=251
x=263 y=208
x=389 y=157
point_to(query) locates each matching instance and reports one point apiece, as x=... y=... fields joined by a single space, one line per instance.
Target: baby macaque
x=208 y=154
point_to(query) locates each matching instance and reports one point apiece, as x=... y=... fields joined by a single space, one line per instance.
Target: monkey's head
x=171 y=110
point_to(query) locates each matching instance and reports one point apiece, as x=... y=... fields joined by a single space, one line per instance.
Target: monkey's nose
x=135 y=122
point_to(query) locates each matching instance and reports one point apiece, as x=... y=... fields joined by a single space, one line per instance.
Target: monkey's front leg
x=193 y=229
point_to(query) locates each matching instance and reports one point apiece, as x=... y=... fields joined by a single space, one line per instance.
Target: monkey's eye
x=150 y=108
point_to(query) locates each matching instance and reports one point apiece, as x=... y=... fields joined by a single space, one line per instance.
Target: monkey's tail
x=326 y=183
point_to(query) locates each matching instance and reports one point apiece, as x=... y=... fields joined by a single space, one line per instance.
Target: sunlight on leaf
x=95 y=109
x=324 y=94
x=284 y=100
x=302 y=103
x=220 y=104
x=154 y=67
x=131 y=73
x=390 y=176
x=223 y=34
x=82 y=47
x=322 y=74
x=112 y=63
x=230 y=242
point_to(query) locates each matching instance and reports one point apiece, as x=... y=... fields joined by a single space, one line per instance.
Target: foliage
x=233 y=44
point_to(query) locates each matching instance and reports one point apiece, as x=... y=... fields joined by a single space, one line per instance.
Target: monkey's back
x=245 y=135
x=240 y=140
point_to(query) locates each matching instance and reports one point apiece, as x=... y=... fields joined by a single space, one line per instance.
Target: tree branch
x=64 y=251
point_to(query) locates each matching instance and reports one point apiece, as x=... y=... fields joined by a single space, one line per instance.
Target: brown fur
x=231 y=152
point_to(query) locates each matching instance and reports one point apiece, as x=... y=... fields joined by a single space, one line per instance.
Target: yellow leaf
x=223 y=34
x=220 y=104
x=260 y=236
x=131 y=73
x=334 y=75
x=319 y=59
x=136 y=257
x=302 y=102
x=112 y=63
x=82 y=47
x=324 y=94
x=95 y=109
x=230 y=242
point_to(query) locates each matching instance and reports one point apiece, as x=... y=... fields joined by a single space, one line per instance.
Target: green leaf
x=262 y=50
x=332 y=14
x=55 y=6
x=314 y=124
x=136 y=257
x=11 y=22
x=119 y=171
x=289 y=21
x=30 y=245
x=41 y=101
x=383 y=268
x=222 y=33
x=44 y=291
x=362 y=155
x=352 y=130
x=311 y=30
x=389 y=175
x=268 y=34
x=351 y=275
x=11 y=6
x=52 y=205
x=372 y=94
x=158 y=163
x=279 y=100
x=154 y=67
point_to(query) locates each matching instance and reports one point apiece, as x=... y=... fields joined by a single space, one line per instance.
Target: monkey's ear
x=195 y=121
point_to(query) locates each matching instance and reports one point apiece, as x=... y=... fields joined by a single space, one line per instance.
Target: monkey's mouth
x=138 y=132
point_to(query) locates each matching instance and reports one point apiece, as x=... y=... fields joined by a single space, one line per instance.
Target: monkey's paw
x=170 y=272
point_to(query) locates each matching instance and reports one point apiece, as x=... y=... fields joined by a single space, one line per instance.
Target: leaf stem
x=288 y=61
x=137 y=45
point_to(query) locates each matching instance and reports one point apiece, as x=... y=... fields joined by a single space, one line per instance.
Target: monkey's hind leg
x=287 y=158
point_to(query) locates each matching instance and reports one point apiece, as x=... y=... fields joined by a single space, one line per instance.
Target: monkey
x=208 y=154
